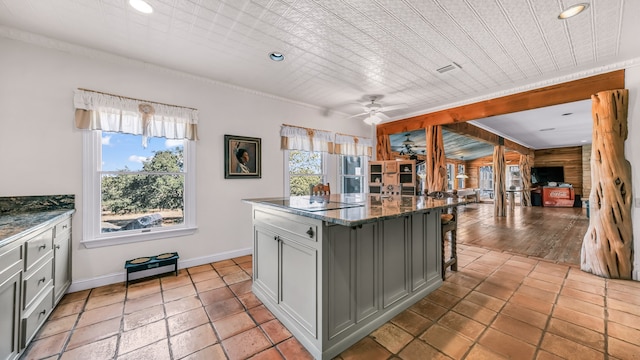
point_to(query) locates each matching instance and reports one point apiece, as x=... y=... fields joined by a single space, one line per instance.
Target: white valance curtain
x=100 y=111
x=299 y=138
x=353 y=146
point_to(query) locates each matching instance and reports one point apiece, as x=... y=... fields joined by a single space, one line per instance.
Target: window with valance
x=138 y=168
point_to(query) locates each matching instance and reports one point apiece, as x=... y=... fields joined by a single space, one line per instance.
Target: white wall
x=632 y=152
x=40 y=150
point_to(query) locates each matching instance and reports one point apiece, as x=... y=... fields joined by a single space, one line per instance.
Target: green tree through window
x=305 y=169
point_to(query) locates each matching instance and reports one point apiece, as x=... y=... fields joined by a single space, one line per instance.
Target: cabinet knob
x=42 y=312
x=42 y=280
x=310 y=232
x=58 y=247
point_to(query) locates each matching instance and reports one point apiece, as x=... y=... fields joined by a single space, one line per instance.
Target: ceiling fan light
x=573 y=11
x=141 y=5
x=372 y=120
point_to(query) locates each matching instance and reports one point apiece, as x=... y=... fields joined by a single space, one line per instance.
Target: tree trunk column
x=499 y=192
x=607 y=245
x=435 y=162
x=525 y=174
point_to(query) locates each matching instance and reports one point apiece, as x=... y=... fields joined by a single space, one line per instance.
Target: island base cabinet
x=298 y=290
x=353 y=275
x=334 y=284
x=285 y=271
x=266 y=262
x=10 y=289
x=286 y=266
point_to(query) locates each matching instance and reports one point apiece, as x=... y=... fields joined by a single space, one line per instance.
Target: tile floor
x=497 y=306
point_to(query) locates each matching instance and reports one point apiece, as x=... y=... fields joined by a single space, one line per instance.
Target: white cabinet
x=331 y=284
x=11 y=263
x=35 y=272
x=62 y=258
x=286 y=265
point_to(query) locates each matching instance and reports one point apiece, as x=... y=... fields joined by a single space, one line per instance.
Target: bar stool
x=449 y=224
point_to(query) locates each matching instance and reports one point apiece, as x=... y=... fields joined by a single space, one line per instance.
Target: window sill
x=137 y=237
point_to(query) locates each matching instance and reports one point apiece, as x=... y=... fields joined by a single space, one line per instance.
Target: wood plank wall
x=586 y=171
x=570 y=158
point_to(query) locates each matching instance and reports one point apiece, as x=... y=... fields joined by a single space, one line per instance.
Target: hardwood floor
x=553 y=234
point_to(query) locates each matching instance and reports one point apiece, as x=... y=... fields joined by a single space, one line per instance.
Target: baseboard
x=84 y=284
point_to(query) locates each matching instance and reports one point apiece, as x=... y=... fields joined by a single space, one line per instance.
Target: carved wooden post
x=383 y=148
x=607 y=245
x=499 y=193
x=435 y=162
x=525 y=174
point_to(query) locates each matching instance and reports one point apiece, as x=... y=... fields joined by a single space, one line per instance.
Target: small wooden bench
x=151 y=262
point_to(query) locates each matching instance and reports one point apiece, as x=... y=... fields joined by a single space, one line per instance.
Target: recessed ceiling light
x=141 y=6
x=583 y=141
x=573 y=11
x=547 y=129
x=276 y=56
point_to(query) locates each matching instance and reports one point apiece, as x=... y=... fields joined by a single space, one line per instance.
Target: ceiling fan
x=375 y=111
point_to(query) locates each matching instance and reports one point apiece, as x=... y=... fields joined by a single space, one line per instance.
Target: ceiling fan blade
x=394 y=107
x=352 y=116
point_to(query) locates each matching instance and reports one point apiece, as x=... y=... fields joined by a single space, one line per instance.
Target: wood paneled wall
x=586 y=171
x=570 y=158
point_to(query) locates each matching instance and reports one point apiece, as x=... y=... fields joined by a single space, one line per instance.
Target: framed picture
x=242 y=157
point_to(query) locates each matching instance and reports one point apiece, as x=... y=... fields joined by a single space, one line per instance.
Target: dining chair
x=320 y=189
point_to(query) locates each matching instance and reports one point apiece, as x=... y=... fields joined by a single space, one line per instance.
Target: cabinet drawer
x=290 y=223
x=10 y=255
x=62 y=227
x=36 y=316
x=37 y=247
x=37 y=282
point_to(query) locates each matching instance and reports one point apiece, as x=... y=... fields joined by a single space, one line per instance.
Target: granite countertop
x=22 y=215
x=17 y=225
x=355 y=209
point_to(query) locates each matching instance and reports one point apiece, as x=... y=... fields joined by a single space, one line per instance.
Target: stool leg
x=454 y=252
x=444 y=262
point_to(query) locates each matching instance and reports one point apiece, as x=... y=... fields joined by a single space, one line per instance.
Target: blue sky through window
x=125 y=150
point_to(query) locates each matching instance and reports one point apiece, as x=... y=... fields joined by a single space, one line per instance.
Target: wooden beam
x=576 y=90
x=480 y=134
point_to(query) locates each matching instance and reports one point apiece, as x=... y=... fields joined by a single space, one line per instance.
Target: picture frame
x=242 y=157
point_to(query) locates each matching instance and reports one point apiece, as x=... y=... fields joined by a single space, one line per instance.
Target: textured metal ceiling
x=337 y=52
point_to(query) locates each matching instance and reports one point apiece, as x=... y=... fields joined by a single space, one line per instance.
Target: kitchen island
x=334 y=268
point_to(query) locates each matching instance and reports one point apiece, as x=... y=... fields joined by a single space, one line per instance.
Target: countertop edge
x=321 y=215
x=36 y=228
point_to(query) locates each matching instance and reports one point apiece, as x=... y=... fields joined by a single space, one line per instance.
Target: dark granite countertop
x=355 y=209
x=17 y=225
x=22 y=215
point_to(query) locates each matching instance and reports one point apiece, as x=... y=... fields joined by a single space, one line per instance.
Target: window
x=131 y=193
x=486 y=181
x=351 y=172
x=136 y=193
x=462 y=176
x=513 y=177
x=450 y=176
x=306 y=168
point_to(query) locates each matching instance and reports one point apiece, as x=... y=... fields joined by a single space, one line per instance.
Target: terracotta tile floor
x=497 y=306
